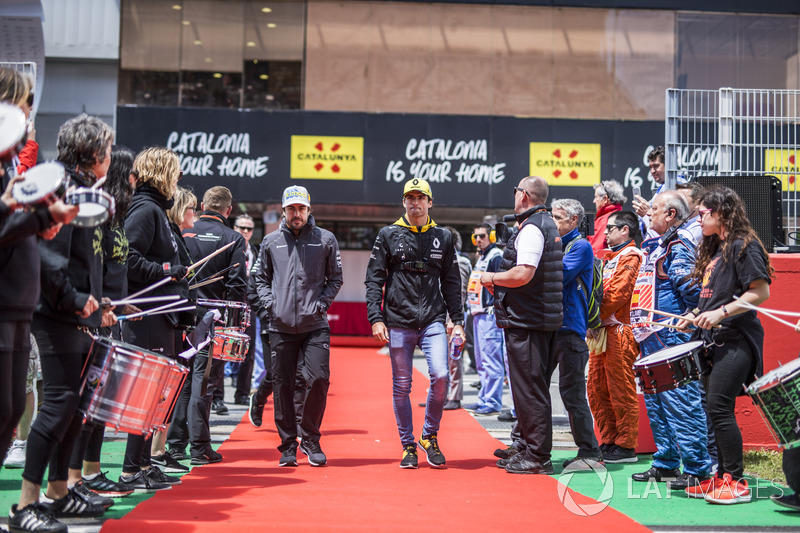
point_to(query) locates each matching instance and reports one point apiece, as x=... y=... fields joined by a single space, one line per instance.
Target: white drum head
x=777 y=374
x=41 y=180
x=12 y=126
x=668 y=353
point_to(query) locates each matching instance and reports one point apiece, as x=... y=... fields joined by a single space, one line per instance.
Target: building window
x=205 y=53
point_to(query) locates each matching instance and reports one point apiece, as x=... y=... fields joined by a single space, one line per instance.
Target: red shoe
x=704 y=488
x=730 y=492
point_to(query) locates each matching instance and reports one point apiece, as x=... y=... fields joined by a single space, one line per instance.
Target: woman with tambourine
x=731 y=263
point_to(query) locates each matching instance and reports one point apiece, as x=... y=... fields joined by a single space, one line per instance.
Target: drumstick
x=205 y=282
x=671 y=315
x=761 y=310
x=153 y=313
x=165 y=298
x=209 y=256
x=150 y=288
x=165 y=307
x=99 y=183
x=773 y=311
x=220 y=273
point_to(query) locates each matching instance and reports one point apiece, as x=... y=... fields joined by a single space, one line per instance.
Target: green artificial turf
x=652 y=504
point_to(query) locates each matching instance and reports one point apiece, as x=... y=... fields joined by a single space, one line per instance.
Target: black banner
x=361 y=158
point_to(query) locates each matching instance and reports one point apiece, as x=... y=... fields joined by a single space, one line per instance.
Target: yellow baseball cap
x=419 y=185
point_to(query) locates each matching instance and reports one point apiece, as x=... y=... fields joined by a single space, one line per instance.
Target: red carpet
x=363 y=488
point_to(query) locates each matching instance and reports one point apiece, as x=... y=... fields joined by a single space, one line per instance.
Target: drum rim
x=650 y=359
x=774 y=377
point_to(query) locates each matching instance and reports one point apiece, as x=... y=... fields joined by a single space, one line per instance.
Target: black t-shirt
x=724 y=279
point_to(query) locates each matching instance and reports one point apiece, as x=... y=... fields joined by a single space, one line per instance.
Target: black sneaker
x=506 y=416
x=256 y=412
x=92 y=497
x=103 y=486
x=658 y=474
x=431 y=446
x=155 y=475
x=506 y=453
x=409 y=459
x=314 y=452
x=605 y=448
x=179 y=454
x=73 y=505
x=685 y=480
x=583 y=463
x=289 y=456
x=618 y=454
x=517 y=457
x=167 y=463
x=219 y=407
x=142 y=484
x=790 y=501
x=206 y=458
x=526 y=466
x=241 y=400
x=34 y=517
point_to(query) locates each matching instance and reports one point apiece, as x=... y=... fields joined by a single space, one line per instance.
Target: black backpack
x=594 y=297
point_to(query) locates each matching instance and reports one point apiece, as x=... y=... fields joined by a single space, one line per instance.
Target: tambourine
x=13 y=132
x=95 y=206
x=43 y=185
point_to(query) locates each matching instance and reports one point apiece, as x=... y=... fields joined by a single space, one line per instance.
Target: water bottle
x=456 y=347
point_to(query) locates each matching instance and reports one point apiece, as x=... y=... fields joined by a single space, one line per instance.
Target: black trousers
x=531 y=361
x=572 y=354
x=62 y=350
x=178 y=432
x=289 y=350
x=731 y=365
x=265 y=387
x=15 y=349
x=244 y=378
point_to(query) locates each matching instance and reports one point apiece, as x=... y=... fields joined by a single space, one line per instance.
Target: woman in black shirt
x=731 y=262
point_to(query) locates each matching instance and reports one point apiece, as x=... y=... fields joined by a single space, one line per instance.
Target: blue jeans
x=488 y=345
x=432 y=340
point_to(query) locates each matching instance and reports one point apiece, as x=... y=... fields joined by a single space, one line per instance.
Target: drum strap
x=206 y=375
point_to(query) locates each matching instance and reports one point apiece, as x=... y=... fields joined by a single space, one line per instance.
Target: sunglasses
x=519 y=189
x=245 y=228
x=609 y=227
x=480 y=235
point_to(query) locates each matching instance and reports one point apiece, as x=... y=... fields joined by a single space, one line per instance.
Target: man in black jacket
x=209 y=234
x=299 y=275
x=528 y=305
x=415 y=261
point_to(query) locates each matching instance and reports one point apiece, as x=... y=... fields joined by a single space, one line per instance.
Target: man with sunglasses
x=245 y=226
x=488 y=344
x=612 y=348
x=528 y=306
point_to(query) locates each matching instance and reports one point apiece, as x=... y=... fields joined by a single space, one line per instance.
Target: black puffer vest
x=538 y=303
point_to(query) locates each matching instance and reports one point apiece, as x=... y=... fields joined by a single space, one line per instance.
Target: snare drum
x=43 y=185
x=777 y=394
x=123 y=385
x=176 y=375
x=235 y=315
x=230 y=345
x=95 y=206
x=671 y=367
x=13 y=132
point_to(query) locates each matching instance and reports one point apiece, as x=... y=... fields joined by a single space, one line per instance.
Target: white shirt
x=530 y=245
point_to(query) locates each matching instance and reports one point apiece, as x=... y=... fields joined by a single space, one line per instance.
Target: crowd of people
x=526 y=301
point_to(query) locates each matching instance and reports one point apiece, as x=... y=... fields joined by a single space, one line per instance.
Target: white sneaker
x=16 y=455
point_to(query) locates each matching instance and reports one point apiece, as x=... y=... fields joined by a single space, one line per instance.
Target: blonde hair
x=15 y=87
x=158 y=167
x=182 y=199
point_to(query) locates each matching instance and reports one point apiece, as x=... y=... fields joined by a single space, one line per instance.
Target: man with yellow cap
x=415 y=261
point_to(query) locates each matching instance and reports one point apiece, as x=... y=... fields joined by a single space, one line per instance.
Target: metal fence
x=733 y=132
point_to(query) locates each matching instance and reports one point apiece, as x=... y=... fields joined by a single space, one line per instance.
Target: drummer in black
x=731 y=262
x=210 y=233
x=68 y=309
x=152 y=256
x=19 y=275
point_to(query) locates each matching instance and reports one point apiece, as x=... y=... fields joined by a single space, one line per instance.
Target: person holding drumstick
x=731 y=262
x=152 y=256
x=69 y=306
